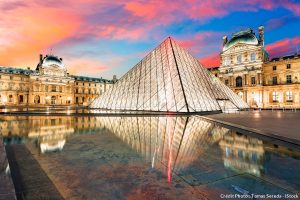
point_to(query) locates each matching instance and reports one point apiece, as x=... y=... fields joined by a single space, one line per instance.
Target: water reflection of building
x=170 y=144
x=48 y=132
x=174 y=142
x=242 y=153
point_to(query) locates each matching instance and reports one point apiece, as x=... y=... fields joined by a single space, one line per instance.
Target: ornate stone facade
x=245 y=67
x=49 y=84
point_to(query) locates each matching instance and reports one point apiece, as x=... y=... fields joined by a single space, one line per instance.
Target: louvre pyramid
x=169 y=79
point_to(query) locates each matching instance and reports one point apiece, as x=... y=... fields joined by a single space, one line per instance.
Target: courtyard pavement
x=7 y=190
x=281 y=125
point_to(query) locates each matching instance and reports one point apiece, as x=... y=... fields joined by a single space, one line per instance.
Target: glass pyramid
x=169 y=79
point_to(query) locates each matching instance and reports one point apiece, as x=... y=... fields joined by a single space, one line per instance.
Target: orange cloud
x=85 y=67
x=27 y=32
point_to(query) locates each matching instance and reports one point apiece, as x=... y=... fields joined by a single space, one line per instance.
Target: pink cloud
x=212 y=60
x=294 y=7
x=30 y=27
x=202 y=42
x=283 y=47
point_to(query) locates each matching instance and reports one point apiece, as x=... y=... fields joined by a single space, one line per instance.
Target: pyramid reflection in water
x=169 y=79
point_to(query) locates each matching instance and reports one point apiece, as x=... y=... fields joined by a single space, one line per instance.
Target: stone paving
x=7 y=190
x=30 y=180
x=276 y=123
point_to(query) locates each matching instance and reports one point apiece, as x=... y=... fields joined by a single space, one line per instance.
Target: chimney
x=114 y=78
x=225 y=40
x=261 y=35
x=41 y=58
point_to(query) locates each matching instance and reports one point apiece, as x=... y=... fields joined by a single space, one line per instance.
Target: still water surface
x=164 y=157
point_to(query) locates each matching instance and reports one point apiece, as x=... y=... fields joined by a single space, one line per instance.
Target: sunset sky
x=100 y=38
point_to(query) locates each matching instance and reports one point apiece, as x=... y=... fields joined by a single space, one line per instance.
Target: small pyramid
x=169 y=79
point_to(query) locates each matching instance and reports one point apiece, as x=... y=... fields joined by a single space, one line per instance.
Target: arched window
x=10 y=98
x=239 y=81
x=21 y=99
x=37 y=99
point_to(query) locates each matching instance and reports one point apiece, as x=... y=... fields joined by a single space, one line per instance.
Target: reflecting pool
x=134 y=157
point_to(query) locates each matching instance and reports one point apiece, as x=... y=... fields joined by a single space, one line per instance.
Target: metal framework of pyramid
x=169 y=79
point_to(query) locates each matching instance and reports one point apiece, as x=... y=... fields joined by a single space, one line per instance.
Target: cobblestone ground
x=283 y=124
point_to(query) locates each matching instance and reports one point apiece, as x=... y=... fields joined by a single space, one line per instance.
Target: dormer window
x=253 y=56
x=239 y=59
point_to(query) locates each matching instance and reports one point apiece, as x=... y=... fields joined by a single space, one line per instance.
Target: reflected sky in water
x=187 y=152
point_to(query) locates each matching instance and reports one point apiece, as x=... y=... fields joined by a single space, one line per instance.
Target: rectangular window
x=11 y=78
x=288 y=66
x=253 y=80
x=253 y=56
x=289 y=96
x=274 y=67
x=275 y=80
x=53 y=88
x=289 y=79
x=239 y=59
x=275 y=96
x=226 y=82
x=226 y=62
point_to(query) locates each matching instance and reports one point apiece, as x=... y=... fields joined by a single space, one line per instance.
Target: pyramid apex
x=168 y=38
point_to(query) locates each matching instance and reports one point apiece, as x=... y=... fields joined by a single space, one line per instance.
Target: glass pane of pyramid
x=169 y=79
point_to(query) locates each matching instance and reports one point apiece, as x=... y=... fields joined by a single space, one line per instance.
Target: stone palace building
x=48 y=84
x=262 y=82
